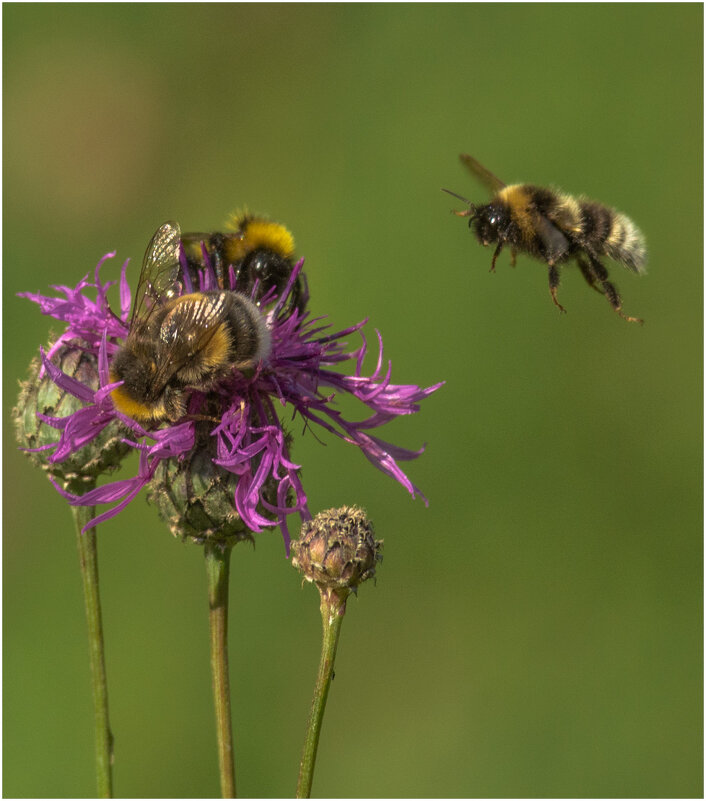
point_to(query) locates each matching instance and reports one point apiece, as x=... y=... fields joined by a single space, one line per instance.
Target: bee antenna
x=460 y=197
x=470 y=212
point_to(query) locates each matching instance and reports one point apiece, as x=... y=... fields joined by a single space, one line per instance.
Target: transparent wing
x=485 y=176
x=193 y=319
x=186 y=331
x=192 y=243
x=219 y=253
x=160 y=268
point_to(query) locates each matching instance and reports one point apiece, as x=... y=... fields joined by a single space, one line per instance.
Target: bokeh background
x=537 y=630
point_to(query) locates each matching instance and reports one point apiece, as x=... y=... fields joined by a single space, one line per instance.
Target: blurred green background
x=537 y=630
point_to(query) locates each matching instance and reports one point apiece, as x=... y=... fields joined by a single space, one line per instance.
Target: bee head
x=140 y=396
x=490 y=222
x=137 y=367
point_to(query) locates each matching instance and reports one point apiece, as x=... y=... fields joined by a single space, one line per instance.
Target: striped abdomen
x=610 y=233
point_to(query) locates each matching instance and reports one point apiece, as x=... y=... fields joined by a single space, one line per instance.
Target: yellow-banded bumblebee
x=260 y=251
x=177 y=343
x=555 y=227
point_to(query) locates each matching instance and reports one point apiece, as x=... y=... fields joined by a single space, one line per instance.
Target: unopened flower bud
x=40 y=395
x=196 y=498
x=337 y=549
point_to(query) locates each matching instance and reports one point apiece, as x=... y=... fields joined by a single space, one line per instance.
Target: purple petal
x=65 y=382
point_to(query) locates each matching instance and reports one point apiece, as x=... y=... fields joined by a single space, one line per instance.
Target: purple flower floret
x=299 y=376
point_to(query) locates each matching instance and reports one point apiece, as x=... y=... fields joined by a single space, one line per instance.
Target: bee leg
x=554 y=285
x=608 y=289
x=217 y=243
x=495 y=256
x=513 y=258
x=588 y=274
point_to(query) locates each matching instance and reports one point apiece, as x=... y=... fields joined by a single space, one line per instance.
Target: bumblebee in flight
x=555 y=228
x=261 y=252
x=178 y=343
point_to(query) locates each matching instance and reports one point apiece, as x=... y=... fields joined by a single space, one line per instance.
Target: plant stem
x=217 y=570
x=333 y=607
x=88 y=559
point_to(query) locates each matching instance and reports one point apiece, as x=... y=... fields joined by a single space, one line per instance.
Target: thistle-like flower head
x=244 y=414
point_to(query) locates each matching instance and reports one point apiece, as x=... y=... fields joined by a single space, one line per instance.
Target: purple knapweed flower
x=300 y=376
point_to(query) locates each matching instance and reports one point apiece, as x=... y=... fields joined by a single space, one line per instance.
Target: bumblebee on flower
x=193 y=365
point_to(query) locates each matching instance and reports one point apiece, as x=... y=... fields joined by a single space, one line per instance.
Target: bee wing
x=215 y=255
x=484 y=175
x=194 y=245
x=192 y=242
x=159 y=271
x=187 y=329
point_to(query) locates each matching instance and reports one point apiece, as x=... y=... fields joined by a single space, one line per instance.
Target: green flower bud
x=39 y=394
x=196 y=498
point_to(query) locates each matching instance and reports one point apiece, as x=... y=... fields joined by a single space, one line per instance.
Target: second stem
x=217 y=570
x=333 y=608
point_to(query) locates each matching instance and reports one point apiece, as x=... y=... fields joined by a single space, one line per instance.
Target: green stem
x=217 y=570
x=333 y=607
x=88 y=559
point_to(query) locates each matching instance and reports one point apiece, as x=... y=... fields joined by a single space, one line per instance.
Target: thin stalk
x=333 y=607
x=88 y=560
x=217 y=571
